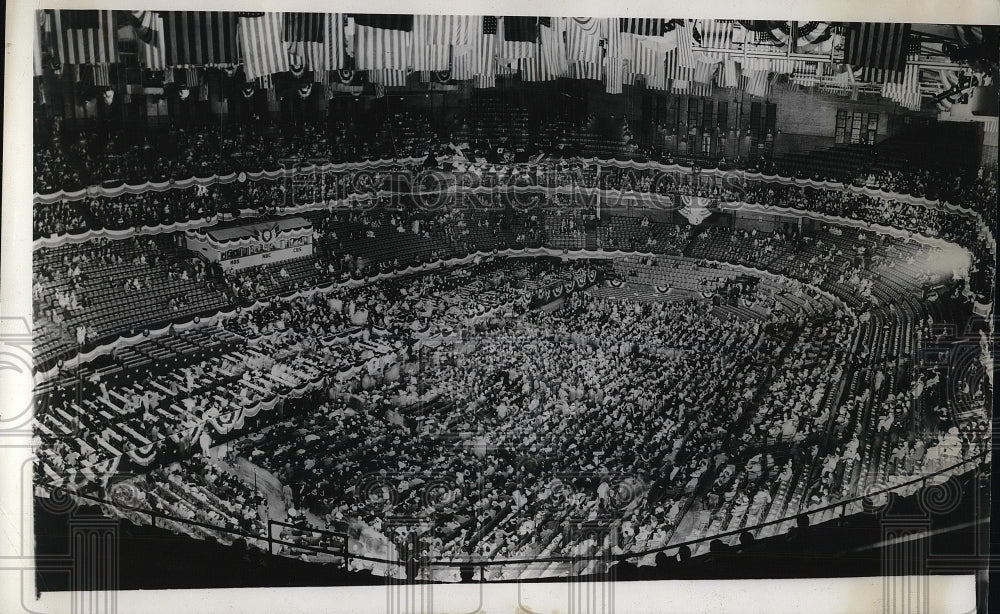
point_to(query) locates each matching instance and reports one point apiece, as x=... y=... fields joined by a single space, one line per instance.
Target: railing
x=344 y=550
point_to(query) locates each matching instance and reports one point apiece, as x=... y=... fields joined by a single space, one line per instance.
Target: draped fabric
x=382 y=41
x=583 y=39
x=877 y=45
x=200 y=38
x=85 y=37
x=315 y=39
x=263 y=51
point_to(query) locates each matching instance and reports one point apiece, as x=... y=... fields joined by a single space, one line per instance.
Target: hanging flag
x=877 y=45
x=729 y=77
x=583 y=39
x=382 y=41
x=517 y=37
x=200 y=38
x=486 y=71
x=43 y=19
x=685 y=44
x=316 y=40
x=585 y=70
x=153 y=53
x=86 y=37
x=619 y=49
x=191 y=77
x=433 y=36
x=649 y=62
x=756 y=83
x=552 y=47
x=144 y=25
x=264 y=53
x=715 y=33
x=388 y=77
x=643 y=26
x=102 y=75
x=907 y=92
x=468 y=37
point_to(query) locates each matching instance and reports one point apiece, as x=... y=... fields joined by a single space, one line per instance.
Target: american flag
x=102 y=75
x=144 y=25
x=486 y=70
x=86 y=37
x=315 y=39
x=715 y=34
x=643 y=26
x=756 y=83
x=550 y=63
x=43 y=23
x=619 y=51
x=517 y=37
x=264 y=53
x=648 y=62
x=729 y=76
x=200 y=38
x=153 y=54
x=382 y=41
x=466 y=46
x=877 y=45
x=433 y=36
x=907 y=92
x=585 y=70
x=388 y=77
x=552 y=48
x=583 y=39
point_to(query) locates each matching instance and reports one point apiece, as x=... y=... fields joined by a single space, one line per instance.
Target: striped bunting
x=583 y=39
x=264 y=53
x=85 y=37
x=378 y=48
x=315 y=40
x=200 y=38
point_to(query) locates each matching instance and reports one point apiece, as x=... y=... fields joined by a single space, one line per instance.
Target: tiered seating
x=836 y=163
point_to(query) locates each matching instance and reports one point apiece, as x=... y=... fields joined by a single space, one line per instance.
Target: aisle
x=264 y=481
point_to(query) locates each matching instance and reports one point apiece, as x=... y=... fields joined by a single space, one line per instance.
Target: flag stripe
x=264 y=53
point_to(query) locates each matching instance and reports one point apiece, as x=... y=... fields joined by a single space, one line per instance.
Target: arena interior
x=449 y=298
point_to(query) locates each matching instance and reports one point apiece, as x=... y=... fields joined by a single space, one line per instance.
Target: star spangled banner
x=382 y=41
x=85 y=37
x=264 y=53
x=315 y=39
x=200 y=38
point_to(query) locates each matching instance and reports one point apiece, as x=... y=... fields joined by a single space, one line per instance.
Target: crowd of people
x=445 y=395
